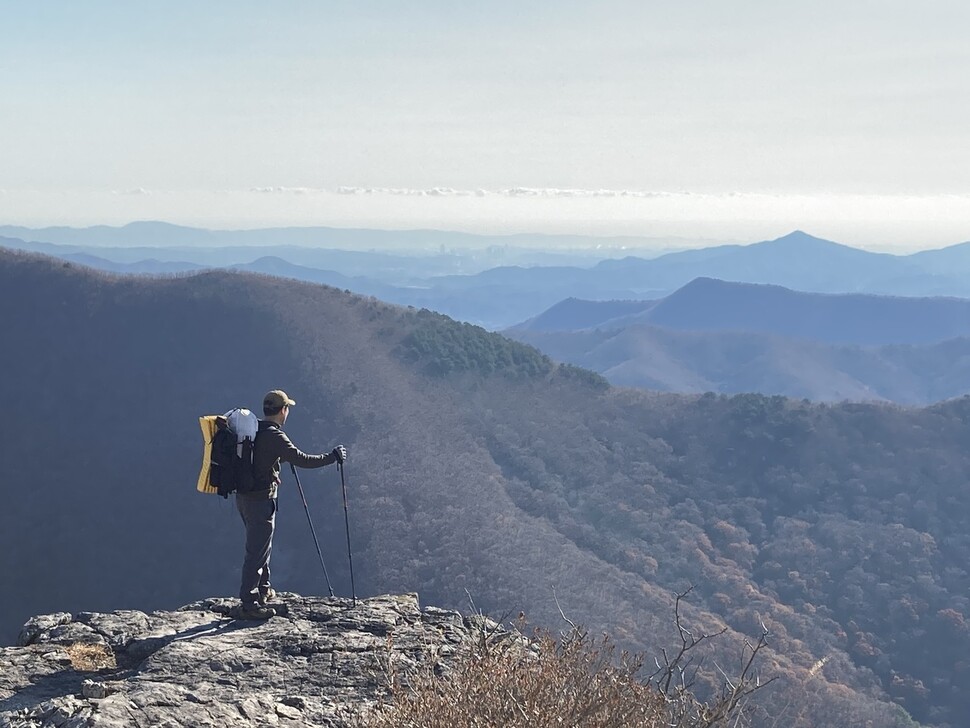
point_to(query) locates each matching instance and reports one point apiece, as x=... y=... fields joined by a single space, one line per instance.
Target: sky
x=700 y=119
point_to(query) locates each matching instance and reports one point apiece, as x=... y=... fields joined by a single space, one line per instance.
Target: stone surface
x=322 y=663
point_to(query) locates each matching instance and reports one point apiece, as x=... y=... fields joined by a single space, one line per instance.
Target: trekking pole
x=312 y=531
x=350 y=553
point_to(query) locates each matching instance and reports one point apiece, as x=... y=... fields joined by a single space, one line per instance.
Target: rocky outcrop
x=322 y=662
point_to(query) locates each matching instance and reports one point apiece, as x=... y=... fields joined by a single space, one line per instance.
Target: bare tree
x=676 y=674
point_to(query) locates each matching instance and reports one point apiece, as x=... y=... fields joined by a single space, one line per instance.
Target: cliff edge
x=323 y=662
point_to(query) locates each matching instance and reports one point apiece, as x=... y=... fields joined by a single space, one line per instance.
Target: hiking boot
x=267 y=596
x=255 y=611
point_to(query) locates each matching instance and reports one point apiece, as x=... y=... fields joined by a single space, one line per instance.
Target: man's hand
x=339 y=454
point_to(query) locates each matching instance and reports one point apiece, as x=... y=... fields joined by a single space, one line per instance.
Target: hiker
x=258 y=506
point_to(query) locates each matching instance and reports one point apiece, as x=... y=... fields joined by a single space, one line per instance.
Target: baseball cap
x=276 y=399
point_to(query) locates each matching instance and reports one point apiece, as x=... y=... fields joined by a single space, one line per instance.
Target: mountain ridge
x=730 y=363
x=730 y=337
x=710 y=304
x=496 y=288
x=302 y=235
x=846 y=318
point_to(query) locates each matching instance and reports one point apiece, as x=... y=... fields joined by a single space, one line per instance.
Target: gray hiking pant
x=259 y=516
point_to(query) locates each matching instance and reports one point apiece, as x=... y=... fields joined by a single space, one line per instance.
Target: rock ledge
x=322 y=663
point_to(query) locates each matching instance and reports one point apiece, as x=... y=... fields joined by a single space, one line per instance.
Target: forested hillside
x=477 y=464
x=732 y=362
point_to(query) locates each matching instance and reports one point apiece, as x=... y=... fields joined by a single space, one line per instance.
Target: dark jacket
x=272 y=446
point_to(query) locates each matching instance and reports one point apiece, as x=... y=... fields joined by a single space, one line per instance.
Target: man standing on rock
x=258 y=506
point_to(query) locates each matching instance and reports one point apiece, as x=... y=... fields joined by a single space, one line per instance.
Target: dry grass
x=570 y=680
x=87 y=657
x=575 y=681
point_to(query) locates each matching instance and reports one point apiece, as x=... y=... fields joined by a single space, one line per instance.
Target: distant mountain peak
x=153 y=225
x=800 y=237
x=709 y=283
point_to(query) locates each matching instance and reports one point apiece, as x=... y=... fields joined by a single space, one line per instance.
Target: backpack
x=227 y=465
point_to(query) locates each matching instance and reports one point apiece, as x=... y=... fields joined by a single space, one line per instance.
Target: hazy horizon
x=887 y=224
x=696 y=120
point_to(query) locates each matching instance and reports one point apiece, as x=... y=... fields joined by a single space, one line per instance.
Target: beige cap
x=276 y=399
